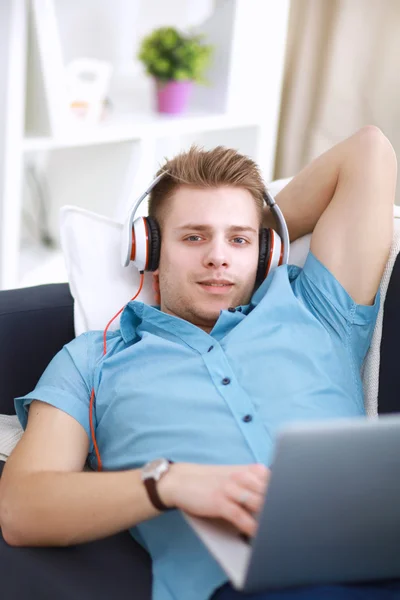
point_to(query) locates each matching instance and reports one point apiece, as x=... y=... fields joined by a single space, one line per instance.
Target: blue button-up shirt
x=168 y=388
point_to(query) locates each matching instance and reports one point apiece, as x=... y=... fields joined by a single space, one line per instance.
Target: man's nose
x=217 y=254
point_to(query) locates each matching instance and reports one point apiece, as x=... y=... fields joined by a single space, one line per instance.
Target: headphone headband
x=281 y=228
x=126 y=244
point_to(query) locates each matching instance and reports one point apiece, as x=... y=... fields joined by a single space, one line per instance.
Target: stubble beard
x=191 y=312
x=188 y=309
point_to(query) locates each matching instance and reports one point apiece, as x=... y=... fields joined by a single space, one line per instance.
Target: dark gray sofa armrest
x=389 y=388
x=35 y=323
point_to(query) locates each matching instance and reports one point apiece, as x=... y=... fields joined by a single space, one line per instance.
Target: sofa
x=35 y=323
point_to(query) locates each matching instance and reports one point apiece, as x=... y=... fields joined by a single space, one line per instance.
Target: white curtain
x=342 y=72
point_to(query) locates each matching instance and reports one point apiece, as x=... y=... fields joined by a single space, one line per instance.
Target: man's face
x=209 y=237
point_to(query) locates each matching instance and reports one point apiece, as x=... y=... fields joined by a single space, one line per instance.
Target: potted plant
x=175 y=61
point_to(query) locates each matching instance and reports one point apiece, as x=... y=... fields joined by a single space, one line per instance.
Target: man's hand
x=229 y=492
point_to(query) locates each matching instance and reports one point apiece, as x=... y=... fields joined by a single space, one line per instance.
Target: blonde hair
x=206 y=169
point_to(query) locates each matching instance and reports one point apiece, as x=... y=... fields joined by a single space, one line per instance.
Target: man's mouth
x=216 y=286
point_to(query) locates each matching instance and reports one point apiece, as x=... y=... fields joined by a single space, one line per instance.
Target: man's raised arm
x=345 y=197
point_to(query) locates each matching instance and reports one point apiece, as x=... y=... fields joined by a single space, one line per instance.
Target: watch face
x=155 y=469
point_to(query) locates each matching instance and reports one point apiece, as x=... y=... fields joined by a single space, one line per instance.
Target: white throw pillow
x=99 y=284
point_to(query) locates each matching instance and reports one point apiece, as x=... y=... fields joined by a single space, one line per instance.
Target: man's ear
x=156 y=287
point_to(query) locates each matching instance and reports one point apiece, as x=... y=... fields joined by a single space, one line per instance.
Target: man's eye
x=240 y=240
x=190 y=238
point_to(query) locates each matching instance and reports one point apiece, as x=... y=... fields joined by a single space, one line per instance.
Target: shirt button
x=210 y=348
x=247 y=418
x=226 y=380
x=231 y=309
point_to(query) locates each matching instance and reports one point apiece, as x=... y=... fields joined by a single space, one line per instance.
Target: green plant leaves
x=169 y=55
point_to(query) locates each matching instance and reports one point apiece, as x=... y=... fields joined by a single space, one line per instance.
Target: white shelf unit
x=104 y=167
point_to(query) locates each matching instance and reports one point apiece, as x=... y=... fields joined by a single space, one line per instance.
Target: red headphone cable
x=92 y=398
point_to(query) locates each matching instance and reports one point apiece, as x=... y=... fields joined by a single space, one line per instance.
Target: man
x=206 y=379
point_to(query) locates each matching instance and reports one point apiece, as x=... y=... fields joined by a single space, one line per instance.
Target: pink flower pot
x=173 y=96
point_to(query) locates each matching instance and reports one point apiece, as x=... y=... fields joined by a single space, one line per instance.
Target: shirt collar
x=138 y=317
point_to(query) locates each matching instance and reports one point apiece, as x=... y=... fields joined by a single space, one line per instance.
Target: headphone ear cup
x=154 y=244
x=264 y=242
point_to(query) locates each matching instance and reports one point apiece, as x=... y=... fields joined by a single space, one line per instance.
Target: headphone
x=141 y=239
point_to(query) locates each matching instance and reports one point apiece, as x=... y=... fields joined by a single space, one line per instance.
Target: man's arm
x=345 y=197
x=46 y=499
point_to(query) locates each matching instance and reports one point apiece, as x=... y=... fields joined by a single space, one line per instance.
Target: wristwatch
x=150 y=474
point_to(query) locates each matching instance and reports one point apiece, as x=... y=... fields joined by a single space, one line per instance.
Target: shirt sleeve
x=66 y=383
x=322 y=294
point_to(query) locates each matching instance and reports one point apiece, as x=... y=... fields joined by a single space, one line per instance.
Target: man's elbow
x=8 y=522
x=16 y=520
x=372 y=139
x=21 y=527
x=10 y=539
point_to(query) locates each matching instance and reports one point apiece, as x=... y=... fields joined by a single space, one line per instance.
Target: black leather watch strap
x=151 y=487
